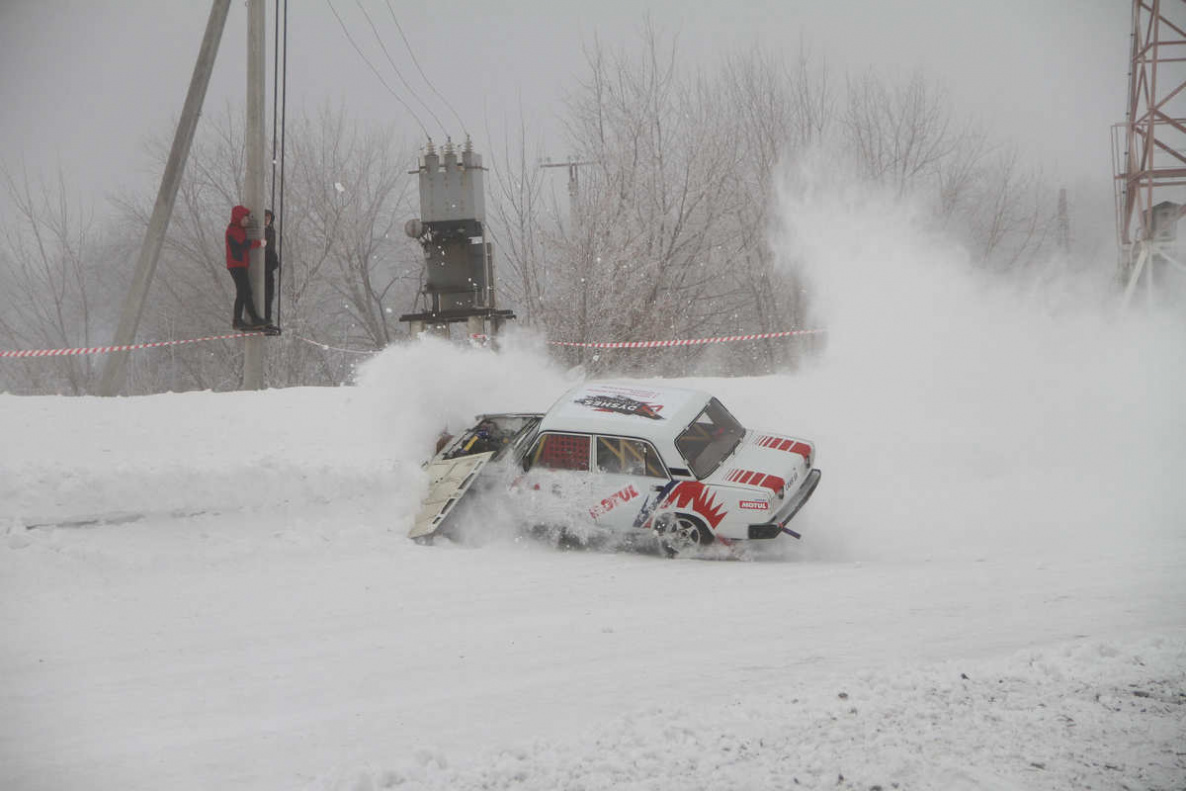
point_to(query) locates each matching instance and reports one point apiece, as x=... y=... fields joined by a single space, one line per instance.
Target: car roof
x=634 y=409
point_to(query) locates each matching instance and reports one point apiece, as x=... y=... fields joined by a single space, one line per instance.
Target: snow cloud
x=960 y=411
x=443 y=385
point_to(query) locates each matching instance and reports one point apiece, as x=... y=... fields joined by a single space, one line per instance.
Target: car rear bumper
x=778 y=524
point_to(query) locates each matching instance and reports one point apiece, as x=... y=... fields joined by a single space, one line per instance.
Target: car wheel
x=681 y=534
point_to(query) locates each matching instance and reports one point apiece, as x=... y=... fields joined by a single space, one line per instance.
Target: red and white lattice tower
x=1149 y=149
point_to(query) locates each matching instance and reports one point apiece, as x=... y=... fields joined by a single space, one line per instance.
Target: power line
x=279 y=67
x=427 y=81
x=375 y=71
x=398 y=73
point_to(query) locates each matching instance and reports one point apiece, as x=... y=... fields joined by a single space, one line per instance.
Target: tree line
x=665 y=236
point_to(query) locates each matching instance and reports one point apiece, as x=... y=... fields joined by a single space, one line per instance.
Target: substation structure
x=458 y=260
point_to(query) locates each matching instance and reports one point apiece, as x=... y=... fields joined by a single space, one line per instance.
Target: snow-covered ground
x=215 y=590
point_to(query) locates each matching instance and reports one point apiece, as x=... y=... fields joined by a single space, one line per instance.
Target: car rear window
x=710 y=439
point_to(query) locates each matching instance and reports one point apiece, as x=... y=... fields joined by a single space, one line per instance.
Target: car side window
x=628 y=457
x=562 y=452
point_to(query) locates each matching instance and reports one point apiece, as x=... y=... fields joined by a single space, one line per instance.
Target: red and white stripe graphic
x=685 y=341
x=108 y=349
x=782 y=443
x=751 y=478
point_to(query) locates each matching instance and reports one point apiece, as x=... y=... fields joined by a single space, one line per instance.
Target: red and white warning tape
x=685 y=341
x=107 y=349
x=478 y=338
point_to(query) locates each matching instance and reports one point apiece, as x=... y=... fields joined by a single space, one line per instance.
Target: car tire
x=681 y=534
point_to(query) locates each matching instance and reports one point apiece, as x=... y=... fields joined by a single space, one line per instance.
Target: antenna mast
x=1148 y=149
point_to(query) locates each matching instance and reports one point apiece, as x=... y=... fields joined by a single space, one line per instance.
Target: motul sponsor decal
x=754 y=505
x=698 y=498
x=622 y=405
x=752 y=478
x=785 y=444
x=613 y=501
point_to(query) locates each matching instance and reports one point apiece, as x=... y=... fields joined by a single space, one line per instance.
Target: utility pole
x=574 y=185
x=1064 y=223
x=150 y=250
x=253 y=345
x=574 y=222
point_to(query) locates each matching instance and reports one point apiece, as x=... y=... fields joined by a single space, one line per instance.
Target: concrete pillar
x=475 y=325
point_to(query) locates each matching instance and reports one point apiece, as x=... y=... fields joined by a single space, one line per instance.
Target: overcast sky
x=83 y=83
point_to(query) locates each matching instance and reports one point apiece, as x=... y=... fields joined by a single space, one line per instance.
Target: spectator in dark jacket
x=238 y=249
x=272 y=259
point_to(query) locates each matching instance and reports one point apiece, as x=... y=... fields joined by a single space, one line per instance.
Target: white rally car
x=627 y=457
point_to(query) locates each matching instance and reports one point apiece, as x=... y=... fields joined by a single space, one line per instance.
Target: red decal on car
x=751 y=478
x=754 y=505
x=611 y=502
x=697 y=497
x=786 y=444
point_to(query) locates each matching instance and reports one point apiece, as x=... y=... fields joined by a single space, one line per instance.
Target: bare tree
x=641 y=257
x=902 y=134
x=779 y=110
x=1013 y=220
x=352 y=194
x=53 y=292
x=669 y=233
x=907 y=137
x=517 y=222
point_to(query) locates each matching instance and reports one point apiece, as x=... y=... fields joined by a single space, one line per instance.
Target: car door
x=628 y=473
x=558 y=479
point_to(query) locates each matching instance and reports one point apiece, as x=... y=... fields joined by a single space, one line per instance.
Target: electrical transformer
x=458 y=261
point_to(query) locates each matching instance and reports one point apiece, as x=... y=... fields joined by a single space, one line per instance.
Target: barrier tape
x=108 y=349
x=686 y=341
x=482 y=339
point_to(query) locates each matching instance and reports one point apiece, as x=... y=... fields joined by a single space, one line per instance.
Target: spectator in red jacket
x=238 y=249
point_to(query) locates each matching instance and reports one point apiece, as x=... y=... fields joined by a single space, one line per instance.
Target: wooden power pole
x=114 y=372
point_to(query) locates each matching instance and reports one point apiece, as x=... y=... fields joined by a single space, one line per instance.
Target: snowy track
x=254 y=655
x=978 y=603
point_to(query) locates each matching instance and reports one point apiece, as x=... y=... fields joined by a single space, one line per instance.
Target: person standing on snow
x=238 y=249
x=272 y=259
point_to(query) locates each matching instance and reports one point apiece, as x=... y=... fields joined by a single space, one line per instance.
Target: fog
x=84 y=84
